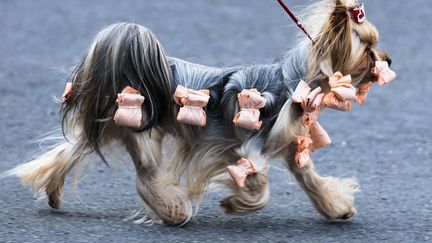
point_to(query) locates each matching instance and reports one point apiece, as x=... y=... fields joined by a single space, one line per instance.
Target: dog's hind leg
x=48 y=171
x=255 y=194
x=159 y=191
x=332 y=197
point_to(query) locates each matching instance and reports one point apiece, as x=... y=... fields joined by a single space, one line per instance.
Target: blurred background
x=386 y=143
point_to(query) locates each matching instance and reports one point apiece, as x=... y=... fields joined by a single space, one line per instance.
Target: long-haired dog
x=172 y=184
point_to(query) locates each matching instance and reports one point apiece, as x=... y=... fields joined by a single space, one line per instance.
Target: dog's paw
x=351 y=212
x=54 y=201
x=230 y=206
x=177 y=214
x=246 y=201
x=335 y=199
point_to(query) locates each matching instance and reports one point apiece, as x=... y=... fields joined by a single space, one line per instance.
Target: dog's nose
x=389 y=61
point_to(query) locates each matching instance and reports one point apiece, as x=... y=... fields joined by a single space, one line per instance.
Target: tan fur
x=255 y=194
x=332 y=197
x=47 y=172
x=161 y=194
x=175 y=167
x=342 y=45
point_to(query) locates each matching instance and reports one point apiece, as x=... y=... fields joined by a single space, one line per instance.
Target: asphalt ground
x=386 y=143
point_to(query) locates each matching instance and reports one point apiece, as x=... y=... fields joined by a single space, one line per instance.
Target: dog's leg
x=252 y=197
x=48 y=171
x=332 y=197
x=255 y=194
x=159 y=191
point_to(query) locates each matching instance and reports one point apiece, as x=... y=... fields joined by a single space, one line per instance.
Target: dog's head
x=340 y=43
x=343 y=43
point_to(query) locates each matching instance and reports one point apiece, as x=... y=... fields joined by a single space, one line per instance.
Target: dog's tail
x=47 y=172
x=121 y=55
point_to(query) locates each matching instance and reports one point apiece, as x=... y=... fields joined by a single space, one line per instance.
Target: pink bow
x=310 y=102
x=250 y=101
x=341 y=93
x=383 y=72
x=129 y=113
x=319 y=137
x=240 y=171
x=302 y=155
x=192 y=102
x=67 y=91
x=363 y=92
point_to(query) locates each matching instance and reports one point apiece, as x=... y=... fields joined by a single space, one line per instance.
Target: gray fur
x=177 y=163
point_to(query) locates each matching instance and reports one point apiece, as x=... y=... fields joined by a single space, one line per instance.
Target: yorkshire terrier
x=220 y=126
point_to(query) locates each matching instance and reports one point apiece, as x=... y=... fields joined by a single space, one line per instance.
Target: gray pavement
x=386 y=143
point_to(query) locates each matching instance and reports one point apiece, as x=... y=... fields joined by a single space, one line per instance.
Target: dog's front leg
x=332 y=197
x=158 y=190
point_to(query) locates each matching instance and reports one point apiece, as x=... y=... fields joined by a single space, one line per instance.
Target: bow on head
x=240 y=171
x=192 y=102
x=129 y=113
x=67 y=91
x=341 y=93
x=383 y=72
x=250 y=101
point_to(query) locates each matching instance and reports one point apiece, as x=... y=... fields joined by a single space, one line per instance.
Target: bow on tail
x=383 y=72
x=310 y=101
x=250 y=101
x=192 y=102
x=129 y=113
x=341 y=93
x=240 y=171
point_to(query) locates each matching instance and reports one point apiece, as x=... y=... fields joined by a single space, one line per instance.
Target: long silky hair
x=342 y=44
x=121 y=55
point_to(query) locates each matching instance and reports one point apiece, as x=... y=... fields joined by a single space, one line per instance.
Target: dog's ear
x=335 y=39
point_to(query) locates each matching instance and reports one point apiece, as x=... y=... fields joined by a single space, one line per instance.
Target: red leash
x=294 y=18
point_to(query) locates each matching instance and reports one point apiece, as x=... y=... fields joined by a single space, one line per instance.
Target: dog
x=221 y=127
